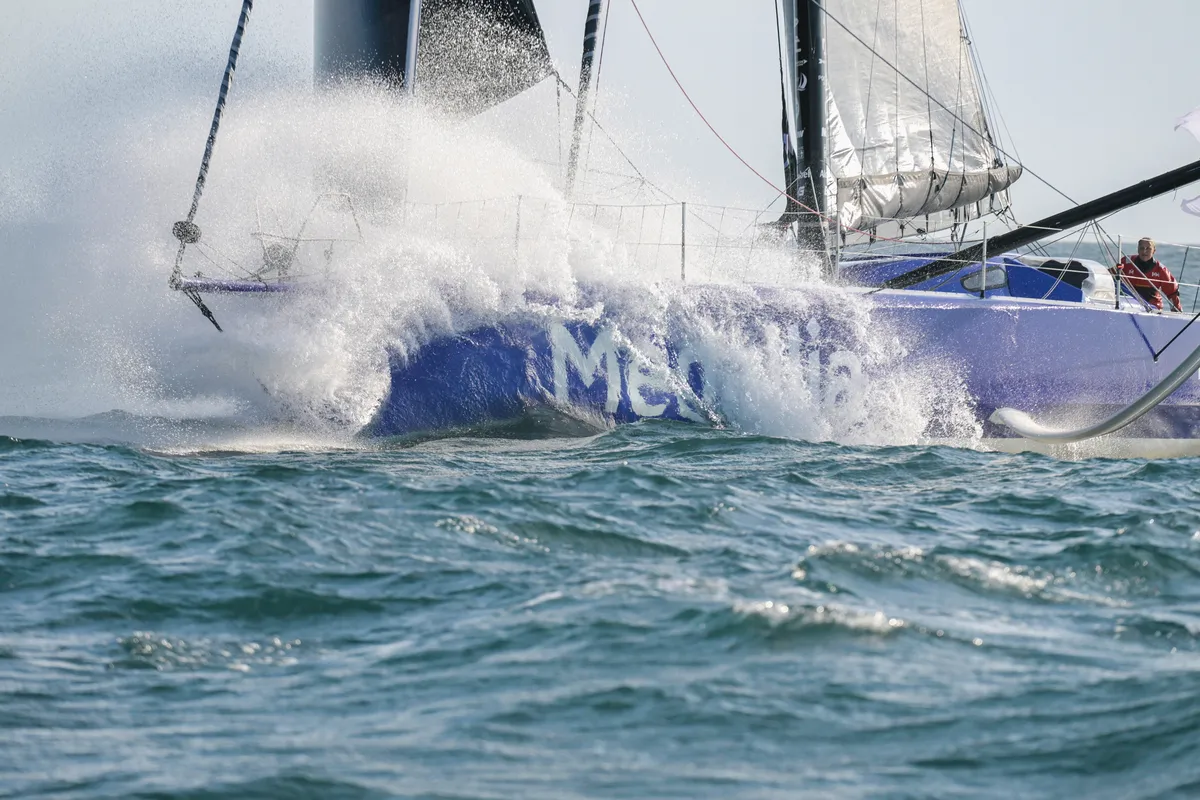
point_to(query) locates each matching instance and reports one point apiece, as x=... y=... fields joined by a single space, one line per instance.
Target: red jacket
x=1146 y=281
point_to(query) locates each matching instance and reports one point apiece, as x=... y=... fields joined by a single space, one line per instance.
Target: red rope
x=728 y=147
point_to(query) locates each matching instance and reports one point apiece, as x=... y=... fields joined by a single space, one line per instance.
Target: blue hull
x=1060 y=361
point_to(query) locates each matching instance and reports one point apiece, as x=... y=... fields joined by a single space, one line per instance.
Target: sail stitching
x=933 y=187
x=956 y=116
x=662 y=57
x=896 y=100
x=907 y=79
x=862 y=158
x=958 y=103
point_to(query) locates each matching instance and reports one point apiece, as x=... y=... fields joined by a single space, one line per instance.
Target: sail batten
x=908 y=133
x=906 y=195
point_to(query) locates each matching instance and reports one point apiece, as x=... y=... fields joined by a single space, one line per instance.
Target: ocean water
x=660 y=610
x=210 y=587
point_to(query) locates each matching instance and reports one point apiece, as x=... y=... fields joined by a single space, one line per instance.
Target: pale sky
x=1089 y=90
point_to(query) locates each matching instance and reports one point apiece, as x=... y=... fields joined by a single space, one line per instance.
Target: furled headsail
x=465 y=55
x=905 y=132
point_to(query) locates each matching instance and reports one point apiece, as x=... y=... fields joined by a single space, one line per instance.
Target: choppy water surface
x=658 y=611
x=267 y=607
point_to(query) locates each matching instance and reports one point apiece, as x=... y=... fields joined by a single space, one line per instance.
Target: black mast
x=590 y=29
x=1072 y=217
x=812 y=156
x=354 y=38
x=474 y=53
x=810 y=96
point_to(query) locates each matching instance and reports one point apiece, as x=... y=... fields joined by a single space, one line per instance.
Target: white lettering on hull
x=601 y=355
x=845 y=385
x=639 y=376
x=836 y=383
x=683 y=366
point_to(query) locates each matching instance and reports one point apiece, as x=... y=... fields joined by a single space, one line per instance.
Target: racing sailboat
x=885 y=136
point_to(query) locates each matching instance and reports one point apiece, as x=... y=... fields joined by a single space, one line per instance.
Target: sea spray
x=457 y=230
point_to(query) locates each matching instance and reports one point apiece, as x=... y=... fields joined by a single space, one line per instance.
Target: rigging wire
x=958 y=100
x=862 y=157
x=896 y=56
x=587 y=154
x=226 y=82
x=729 y=147
x=567 y=87
x=186 y=231
x=986 y=85
x=994 y=108
x=640 y=177
x=558 y=121
x=940 y=104
x=929 y=115
x=1063 y=272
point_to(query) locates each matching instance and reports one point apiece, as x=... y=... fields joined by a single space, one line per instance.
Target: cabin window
x=996 y=278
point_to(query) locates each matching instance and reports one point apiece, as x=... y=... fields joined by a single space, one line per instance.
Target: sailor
x=1147 y=275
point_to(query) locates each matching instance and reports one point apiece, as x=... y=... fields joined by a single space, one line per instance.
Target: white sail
x=907 y=134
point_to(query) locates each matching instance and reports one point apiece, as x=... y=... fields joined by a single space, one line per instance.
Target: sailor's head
x=1146 y=248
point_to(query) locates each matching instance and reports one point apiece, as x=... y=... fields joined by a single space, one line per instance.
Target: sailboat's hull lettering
x=1043 y=357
